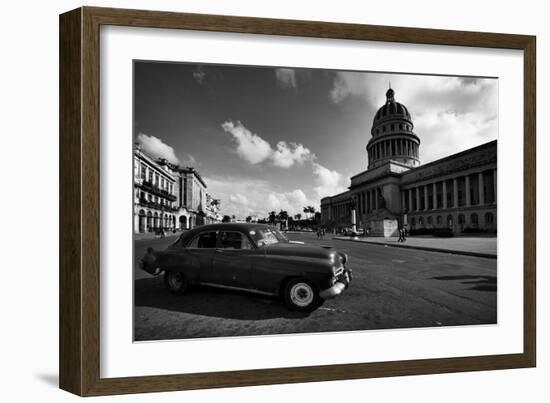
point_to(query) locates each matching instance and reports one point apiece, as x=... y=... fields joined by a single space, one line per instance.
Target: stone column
x=376 y=198
x=417 y=189
x=353 y=220
x=426 y=204
x=468 y=190
x=455 y=192
x=410 y=199
x=444 y=194
x=402 y=200
x=435 y=195
x=481 y=188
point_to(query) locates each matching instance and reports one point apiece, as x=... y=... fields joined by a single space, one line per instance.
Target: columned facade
x=456 y=193
x=154 y=195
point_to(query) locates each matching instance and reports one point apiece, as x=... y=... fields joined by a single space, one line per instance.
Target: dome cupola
x=392 y=135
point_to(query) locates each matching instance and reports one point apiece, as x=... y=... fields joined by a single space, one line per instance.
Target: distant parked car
x=251 y=257
x=351 y=232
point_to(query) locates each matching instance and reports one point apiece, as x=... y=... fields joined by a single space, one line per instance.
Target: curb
x=426 y=248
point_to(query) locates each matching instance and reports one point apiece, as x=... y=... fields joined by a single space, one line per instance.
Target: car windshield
x=267 y=236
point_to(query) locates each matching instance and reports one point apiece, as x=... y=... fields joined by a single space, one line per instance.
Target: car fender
x=180 y=261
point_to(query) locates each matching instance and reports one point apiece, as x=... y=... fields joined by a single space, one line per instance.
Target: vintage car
x=251 y=257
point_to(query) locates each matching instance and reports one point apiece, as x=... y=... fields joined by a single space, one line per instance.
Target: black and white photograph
x=281 y=200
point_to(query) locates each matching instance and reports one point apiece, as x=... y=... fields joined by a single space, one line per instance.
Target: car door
x=232 y=261
x=201 y=248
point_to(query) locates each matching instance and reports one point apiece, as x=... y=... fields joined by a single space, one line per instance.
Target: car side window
x=205 y=240
x=234 y=240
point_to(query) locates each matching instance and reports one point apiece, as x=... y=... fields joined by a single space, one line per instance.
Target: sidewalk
x=470 y=246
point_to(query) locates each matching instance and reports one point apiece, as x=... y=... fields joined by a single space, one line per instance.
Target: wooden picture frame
x=79 y=280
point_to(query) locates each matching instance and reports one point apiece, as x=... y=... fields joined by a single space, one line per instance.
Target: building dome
x=392 y=135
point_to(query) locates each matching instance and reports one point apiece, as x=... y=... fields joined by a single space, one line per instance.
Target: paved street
x=392 y=288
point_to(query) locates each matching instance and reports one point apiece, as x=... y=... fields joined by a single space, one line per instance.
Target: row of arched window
x=149 y=222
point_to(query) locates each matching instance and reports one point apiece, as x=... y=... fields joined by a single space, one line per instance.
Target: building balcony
x=154 y=189
x=157 y=206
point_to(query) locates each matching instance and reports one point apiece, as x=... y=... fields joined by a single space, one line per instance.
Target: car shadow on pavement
x=479 y=283
x=207 y=301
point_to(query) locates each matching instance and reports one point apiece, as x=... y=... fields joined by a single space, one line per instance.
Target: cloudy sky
x=276 y=138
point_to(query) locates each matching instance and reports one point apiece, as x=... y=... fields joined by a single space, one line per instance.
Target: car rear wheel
x=301 y=295
x=176 y=282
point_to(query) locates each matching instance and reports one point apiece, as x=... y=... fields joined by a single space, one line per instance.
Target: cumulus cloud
x=239 y=199
x=287 y=154
x=249 y=146
x=329 y=182
x=292 y=202
x=450 y=114
x=155 y=148
x=189 y=161
x=254 y=149
x=286 y=77
x=249 y=196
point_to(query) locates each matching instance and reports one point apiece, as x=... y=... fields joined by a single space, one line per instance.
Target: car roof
x=243 y=227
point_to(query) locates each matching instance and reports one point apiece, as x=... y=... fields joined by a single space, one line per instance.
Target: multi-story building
x=196 y=205
x=458 y=192
x=213 y=207
x=170 y=197
x=154 y=194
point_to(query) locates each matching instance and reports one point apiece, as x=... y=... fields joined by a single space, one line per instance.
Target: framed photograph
x=249 y=201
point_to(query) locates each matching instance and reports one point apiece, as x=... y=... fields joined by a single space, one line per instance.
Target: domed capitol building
x=457 y=192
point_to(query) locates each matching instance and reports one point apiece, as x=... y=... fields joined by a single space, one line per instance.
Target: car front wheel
x=301 y=295
x=175 y=282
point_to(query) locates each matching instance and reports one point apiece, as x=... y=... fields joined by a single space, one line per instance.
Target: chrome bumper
x=333 y=291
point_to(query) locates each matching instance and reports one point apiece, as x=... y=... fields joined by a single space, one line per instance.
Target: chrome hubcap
x=175 y=280
x=301 y=294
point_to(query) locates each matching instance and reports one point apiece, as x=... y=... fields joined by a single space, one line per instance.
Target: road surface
x=391 y=288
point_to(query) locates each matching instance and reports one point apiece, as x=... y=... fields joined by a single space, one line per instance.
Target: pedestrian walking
x=400 y=231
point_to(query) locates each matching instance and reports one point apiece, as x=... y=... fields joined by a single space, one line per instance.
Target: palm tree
x=272 y=216
x=298 y=216
x=283 y=216
x=309 y=210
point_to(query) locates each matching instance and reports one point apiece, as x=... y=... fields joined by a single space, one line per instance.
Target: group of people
x=403 y=233
x=321 y=233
